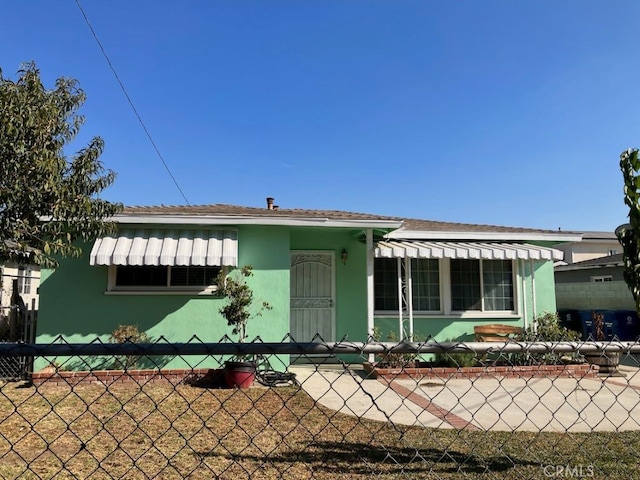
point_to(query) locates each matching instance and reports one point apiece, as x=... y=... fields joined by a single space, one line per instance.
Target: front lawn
x=160 y=431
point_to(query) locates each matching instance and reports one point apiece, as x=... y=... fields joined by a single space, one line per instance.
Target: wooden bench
x=495 y=332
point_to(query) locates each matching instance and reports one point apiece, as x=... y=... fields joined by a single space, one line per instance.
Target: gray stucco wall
x=594 y=296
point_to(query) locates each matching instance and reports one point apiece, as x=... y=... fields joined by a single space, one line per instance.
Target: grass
x=161 y=431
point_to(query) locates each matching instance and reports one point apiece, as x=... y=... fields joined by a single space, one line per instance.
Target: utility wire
x=135 y=111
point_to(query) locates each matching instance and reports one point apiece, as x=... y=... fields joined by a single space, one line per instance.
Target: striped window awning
x=205 y=248
x=462 y=250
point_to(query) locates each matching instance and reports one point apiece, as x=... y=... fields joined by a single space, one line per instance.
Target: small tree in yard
x=48 y=201
x=239 y=296
x=629 y=234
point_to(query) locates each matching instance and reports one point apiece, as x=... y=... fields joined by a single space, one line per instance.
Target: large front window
x=425 y=284
x=485 y=285
x=443 y=286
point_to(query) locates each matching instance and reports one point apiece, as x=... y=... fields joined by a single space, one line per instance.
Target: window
x=425 y=284
x=24 y=281
x=602 y=278
x=162 y=277
x=497 y=285
x=456 y=285
x=484 y=285
x=613 y=251
x=385 y=279
x=465 y=285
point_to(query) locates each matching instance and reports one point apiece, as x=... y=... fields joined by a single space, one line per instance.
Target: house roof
x=222 y=214
x=400 y=227
x=596 y=236
x=600 y=262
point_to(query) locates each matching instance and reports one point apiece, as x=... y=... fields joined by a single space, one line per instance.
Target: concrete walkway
x=535 y=404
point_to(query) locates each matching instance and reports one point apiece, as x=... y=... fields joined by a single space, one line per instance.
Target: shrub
x=547 y=329
x=124 y=334
x=390 y=359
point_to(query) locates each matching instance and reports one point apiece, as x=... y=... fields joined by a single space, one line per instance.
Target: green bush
x=547 y=329
x=123 y=334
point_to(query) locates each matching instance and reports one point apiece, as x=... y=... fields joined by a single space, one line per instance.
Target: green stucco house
x=332 y=273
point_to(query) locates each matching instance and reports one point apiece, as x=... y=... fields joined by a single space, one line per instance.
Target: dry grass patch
x=161 y=431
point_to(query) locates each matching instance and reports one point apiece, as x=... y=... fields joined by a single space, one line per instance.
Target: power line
x=135 y=111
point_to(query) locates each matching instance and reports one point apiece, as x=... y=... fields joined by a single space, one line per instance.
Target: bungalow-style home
x=329 y=273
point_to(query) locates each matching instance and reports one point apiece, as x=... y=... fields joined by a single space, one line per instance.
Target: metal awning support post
x=409 y=294
x=370 y=299
x=400 y=299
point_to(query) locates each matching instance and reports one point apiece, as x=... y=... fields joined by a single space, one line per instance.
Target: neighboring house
x=592 y=245
x=596 y=284
x=332 y=273
x=27 y=280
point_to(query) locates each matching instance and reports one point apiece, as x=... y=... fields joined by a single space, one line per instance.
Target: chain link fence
x=323 y=410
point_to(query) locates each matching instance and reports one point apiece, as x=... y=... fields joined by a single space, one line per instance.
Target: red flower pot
x=239 y=374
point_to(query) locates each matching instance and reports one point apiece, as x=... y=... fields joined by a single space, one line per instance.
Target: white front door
x=312 y=296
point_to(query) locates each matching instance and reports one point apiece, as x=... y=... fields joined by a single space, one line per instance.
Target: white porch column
x=370 y=299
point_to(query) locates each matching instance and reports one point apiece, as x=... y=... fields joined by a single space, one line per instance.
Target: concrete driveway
x=535 y=404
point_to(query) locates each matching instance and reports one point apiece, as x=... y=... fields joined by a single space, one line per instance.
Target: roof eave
x=469 y=235
x=570 y=267
x=254 y=220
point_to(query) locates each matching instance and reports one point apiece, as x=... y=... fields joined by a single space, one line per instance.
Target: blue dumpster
x=588 y=327
x=628 y=325
x=569 y=319
x=586 y=324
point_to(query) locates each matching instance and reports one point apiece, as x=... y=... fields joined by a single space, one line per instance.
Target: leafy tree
x=48 y=201
x=629 y=234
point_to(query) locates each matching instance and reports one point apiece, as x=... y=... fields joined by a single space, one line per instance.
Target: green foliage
x=547 y=329
x=47 y=200
x=461 y=359
x=629 y=234
x=239 y=295
x=391 y=359
x=123 y=334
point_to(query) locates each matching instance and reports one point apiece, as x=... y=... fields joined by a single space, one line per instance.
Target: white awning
x=205 y=248
x=462 y=250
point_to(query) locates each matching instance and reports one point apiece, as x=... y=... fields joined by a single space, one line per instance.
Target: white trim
x=471 y=314
x=370 y=286
x=249 y=220
x=426 y=235
x=165 y=292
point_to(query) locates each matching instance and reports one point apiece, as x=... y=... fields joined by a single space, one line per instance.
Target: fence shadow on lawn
x=152 y=427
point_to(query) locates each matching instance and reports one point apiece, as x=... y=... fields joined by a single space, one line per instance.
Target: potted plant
x=607 y=362
x=241 y=370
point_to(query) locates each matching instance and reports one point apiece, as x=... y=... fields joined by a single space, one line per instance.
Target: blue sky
x=494 y=112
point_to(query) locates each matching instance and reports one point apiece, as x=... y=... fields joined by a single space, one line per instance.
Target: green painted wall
x=73 y=301
x=545 y=292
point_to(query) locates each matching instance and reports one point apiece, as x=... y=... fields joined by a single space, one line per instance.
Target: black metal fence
x=340 y=410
